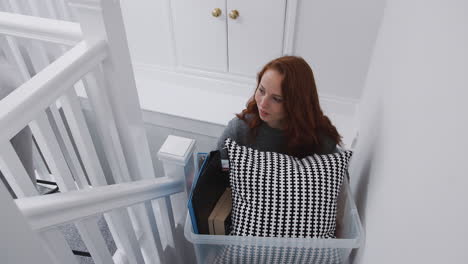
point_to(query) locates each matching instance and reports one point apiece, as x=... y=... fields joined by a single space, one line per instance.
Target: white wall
x=409 y=171
x=335 y=37
x=148 y=27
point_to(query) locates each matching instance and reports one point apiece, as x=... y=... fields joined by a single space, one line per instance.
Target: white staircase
x=138 y=208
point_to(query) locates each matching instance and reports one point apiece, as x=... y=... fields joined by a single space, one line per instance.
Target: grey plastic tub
x=241 y=249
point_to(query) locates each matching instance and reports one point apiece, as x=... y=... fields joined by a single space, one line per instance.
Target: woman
x=284 y=114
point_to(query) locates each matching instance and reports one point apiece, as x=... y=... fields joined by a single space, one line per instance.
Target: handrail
x=23 y=104
x=47 y=211
x=51 y=30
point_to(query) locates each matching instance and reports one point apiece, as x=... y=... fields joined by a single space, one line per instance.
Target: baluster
x=51 y=8
x=121 y=228
x=40 y=165
x=67 y=148
x=15 y=55
x=48 y=144
x=58 y=248
x=90 y=233
x=36 y=50
x=156 y=236
x=83 y=141
x=95 y=88
x=119 y=223
x=107 y=131
x=64 y=10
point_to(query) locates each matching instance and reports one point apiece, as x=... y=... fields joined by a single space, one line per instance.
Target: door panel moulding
x=289 y=27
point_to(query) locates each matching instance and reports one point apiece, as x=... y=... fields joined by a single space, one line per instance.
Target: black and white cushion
x=277 y=195
x=276 y=255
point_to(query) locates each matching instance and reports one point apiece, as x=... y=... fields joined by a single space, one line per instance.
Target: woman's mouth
x=263 y=113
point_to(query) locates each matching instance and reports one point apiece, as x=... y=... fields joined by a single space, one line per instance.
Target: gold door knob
x=216 y=12
x=234 y=14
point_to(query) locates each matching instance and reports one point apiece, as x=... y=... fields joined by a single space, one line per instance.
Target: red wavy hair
x=304 y=117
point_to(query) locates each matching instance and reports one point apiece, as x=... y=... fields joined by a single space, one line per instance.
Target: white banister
x=16 y=175
x=103 y=59
x=103 y=18
x=22 y=105
x=47 y=211
x=118 y=220
x=87 y=228
x=176 y=155
x=50 y=30
x=108 y=134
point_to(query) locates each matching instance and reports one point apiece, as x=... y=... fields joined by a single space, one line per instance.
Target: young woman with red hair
x=284 y=114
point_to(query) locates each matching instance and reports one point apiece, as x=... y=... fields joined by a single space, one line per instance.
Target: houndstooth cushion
x=276 y=195
x=277 y=255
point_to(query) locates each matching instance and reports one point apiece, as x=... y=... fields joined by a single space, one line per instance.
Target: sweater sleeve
x=229 y=132
x=328 y=145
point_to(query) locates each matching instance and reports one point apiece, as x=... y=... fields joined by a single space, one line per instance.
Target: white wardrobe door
x=256 y=36
x=200 y=37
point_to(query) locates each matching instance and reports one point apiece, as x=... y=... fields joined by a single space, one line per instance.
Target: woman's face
x=269 y=99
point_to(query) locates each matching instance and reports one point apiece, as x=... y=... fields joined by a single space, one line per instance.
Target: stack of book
x=219 y=221
x=208 y=190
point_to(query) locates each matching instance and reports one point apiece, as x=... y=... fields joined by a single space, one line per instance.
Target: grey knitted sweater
x=268 y=138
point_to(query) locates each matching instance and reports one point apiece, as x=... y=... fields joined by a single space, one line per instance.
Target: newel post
x=102 y=20
x=176 y=155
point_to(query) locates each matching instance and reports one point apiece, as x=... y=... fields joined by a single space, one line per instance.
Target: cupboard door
x=256 y=35
x=201 y=40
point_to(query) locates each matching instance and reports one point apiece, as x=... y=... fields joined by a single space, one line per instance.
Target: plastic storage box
x=241 y=249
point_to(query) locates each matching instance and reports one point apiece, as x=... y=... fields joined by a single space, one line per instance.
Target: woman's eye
x=262 y=91
x=278 y=100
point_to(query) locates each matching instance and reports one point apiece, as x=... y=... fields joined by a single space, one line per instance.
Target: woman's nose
x=263 y=102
